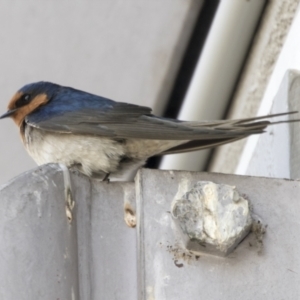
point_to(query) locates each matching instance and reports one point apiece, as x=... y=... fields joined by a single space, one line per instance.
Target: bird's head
x=28 y=99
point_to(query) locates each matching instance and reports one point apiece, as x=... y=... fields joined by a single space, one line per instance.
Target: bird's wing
x=247 y=125
x=94 y=115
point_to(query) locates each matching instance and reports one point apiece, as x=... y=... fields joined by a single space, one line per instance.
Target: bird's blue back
x=63 y=100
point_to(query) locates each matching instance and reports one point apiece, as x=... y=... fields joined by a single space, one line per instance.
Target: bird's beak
x=8 y=113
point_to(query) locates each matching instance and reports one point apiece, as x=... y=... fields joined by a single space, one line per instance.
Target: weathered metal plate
x=38 y=247
x=43 y=256
x=262 y=267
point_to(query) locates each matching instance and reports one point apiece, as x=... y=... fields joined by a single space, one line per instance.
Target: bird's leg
x=69 y=202
x=106 y=177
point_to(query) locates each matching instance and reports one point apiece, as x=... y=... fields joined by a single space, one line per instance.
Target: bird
x=106 y=139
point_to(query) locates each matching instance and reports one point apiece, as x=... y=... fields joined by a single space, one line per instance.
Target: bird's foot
x=106 y=178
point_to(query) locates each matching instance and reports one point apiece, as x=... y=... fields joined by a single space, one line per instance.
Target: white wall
x=126 y=50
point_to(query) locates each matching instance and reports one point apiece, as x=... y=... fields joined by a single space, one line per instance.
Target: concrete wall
x=275 y=50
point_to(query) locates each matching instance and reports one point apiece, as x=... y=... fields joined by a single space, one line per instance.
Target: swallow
x=101 y=137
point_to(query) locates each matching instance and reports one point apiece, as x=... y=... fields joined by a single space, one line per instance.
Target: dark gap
x=188 y=64
x=259 y=23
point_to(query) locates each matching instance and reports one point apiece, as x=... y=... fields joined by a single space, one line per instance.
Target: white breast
x=92 y=154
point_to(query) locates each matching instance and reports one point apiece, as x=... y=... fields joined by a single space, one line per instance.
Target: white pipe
x=217 y=71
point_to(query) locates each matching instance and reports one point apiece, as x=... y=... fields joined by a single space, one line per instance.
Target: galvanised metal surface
x=38 y=247
x=264 y=266
x=44 y=256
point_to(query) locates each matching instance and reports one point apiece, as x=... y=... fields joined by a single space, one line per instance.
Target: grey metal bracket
x=45 y=256
x=100 y=254
x=265 y=265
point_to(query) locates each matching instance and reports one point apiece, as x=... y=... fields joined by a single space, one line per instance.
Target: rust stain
x=129 y=215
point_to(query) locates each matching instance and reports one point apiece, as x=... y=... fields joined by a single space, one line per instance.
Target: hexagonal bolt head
x=213 y=218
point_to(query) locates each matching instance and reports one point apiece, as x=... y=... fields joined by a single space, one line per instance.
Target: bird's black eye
x=25 y=99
